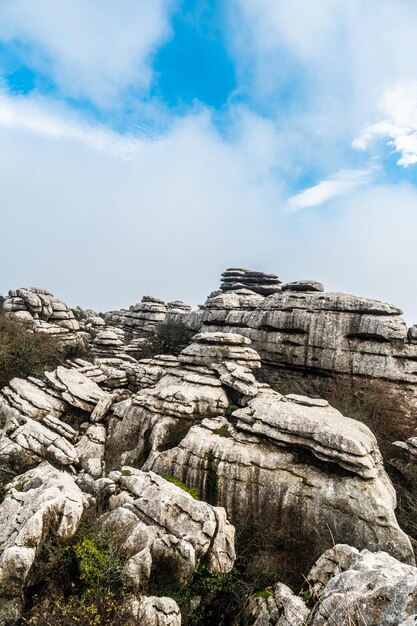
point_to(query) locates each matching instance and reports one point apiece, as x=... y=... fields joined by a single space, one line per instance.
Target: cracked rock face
x=362 y=587
x=44 y=312
x=309 y=336
x=248 y=473
x=280 y=607
x=156 y=523
x=39 y=502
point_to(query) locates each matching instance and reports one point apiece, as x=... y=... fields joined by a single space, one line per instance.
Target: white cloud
x=94 y=49
x=320 y=67
x=340 y=184
x=44 y=119
x=100 y=230
x=398 y=127
x=103 y=230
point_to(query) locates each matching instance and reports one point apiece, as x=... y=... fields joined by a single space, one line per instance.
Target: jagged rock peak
x=235 y=278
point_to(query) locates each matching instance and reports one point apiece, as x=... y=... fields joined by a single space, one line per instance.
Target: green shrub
x=229 y=413
x=168 y=338
x=223 y=432
x=24 y=354
x=81 y=582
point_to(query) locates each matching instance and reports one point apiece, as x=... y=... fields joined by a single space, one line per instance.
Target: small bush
x=372 y=402
x=223 y=432
x=168 y=338
x=24 y=354
x=81 y=583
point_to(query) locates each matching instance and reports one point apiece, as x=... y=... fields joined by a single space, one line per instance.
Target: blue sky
x=149 y=144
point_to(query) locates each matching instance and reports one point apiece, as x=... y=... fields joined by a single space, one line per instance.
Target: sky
x=148 y=145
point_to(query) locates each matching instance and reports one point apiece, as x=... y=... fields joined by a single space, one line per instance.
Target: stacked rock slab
x=307 y=336
x=158 y=522
x=288 y=458
x=141 y=319
x=258 y=282
x=45 y=313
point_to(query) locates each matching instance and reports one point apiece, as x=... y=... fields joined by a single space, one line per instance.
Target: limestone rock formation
x=156 y=522
x=286 y=457
x=132 y=443
x=307 y=336
x=153 y=611
x=258 y=282
x=45 y=313
x=362 y=587
x=37 y=503
x=277 y=606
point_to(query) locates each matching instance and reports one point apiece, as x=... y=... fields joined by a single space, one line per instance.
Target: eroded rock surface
x=307 y=336
x=38 y=503
x=158 y=524
x=362 y=587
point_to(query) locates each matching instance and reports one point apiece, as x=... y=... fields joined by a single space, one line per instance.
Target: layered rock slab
x=362 y=587
x=309 y=336
x=155 y=521
x=256 y=477
x=37 y=503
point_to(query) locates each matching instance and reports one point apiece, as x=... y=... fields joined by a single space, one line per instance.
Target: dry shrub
x=168 y=338
x=24 y=353
x=373 y=402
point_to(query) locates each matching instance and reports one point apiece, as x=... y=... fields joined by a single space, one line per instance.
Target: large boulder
x=352 y=587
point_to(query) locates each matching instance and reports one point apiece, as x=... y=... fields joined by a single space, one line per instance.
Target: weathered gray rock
x=37 y=503
x=362 y=587
x=303 y=285
x=154 y=521
x=311 y=337
x=159 y=416
x=24 y=441
x=45 y=313
x=153 y=611
x=312 y=424
x=280 y=607
x=209 y=348
x=236 y=278
x=91 y=450
x=256 y=475
x=141 y=319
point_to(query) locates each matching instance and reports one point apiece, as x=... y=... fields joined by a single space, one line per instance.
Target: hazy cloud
x=94 y=49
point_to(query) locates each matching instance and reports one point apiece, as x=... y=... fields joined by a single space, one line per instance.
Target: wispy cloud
x=40 y=117
x=340 y=184
x=398 y=125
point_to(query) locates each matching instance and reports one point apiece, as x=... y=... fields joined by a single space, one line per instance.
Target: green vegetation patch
x=192 y=491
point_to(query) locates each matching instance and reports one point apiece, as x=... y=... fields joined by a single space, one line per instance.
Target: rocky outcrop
x=158 y=525
x=258 y=282
x=40 y=503
x=45 y=313
x=289 y=458
x=306 y=337
x=361 y=587
x=277 y=606
x=141 y=319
